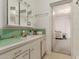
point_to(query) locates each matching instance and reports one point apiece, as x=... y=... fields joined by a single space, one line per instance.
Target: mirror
x=19 y=13
x=23 y=13
x=13 y=12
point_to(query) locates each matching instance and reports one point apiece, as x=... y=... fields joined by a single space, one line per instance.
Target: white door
x=61 y=27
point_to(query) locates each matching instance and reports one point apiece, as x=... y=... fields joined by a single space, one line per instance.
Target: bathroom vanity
x=25 y=48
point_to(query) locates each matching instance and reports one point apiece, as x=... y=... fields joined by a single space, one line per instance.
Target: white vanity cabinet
x=21 y=52
x=6 y=56
x=18 y=53
x=27 y=51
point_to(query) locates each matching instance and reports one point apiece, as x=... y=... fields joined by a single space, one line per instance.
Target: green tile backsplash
x=9 y=32
x=6 y=33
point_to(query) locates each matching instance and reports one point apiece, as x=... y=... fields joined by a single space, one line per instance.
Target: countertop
x=9 y=44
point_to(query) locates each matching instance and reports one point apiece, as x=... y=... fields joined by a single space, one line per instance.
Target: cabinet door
x=8 y=55
x=18 y=53
x=43 y=47
x=22 y=52
x=23 y=13
x=35 y=51
x=13 y=12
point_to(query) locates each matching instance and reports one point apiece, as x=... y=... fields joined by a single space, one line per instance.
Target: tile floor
x=57 y=56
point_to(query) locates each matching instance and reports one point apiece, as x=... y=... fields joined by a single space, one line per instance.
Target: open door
x=61 y=28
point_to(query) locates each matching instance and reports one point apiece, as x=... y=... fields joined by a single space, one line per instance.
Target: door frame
x=52 y=31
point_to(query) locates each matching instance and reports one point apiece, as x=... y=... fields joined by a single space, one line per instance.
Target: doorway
x=61 y=27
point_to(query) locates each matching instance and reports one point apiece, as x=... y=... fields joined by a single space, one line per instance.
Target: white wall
x=75 y=27
x=44 y=21
x=43 y=5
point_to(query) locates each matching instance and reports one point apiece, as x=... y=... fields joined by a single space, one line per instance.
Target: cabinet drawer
x=20 y=50
x=14 y=53
x=23 y=55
